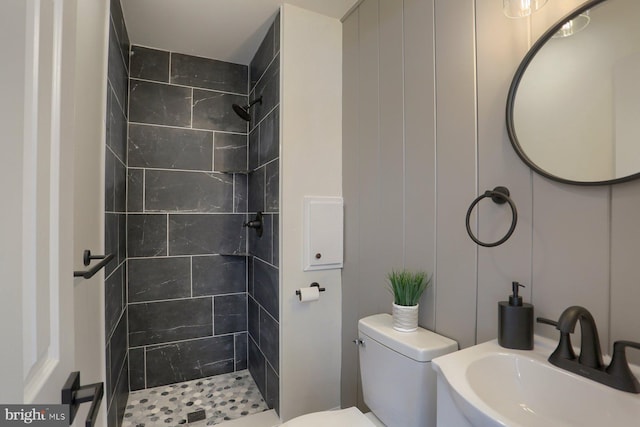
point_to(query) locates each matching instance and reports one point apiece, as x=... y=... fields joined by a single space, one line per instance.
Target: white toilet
x=398 y=383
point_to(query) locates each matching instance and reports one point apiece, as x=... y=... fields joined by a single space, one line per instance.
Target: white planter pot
x=405 y=318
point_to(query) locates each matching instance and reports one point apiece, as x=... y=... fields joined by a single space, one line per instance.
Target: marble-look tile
x=250 y=262
x=170 y=148
x=109 y=386
x=152 y=279
x=270 y=137
x=109 y=180
x=112 y=413
x=230 y=152
x=269 y=88
x=136 y=368
x=276 y=35
x=146 y=235
x=208 y=73
x=121 y=29
x=256 y=190
x=161 y=104
x=206 y=234
x=253 y=319
x=265 y=283
x=254 y=148
x=149 y=64
x=240 y=193
x=215 y=274
x=270 y=339
x=276 y=240
x=117 y=126
x=111 y=240
x=113 y=300
x=118 y=349
x=229 y=314
x=187 y=360
x=272 y=186
x=272 y=397
x=261 y=247
x=188 y=191
x=121 y=394
x=122 y=239
x=117 y=71
x=212 y=110
x=257 y=366
x=158 y=322
x=262 y=57
x=120 y=187
x=241 y=351
x=135 y=183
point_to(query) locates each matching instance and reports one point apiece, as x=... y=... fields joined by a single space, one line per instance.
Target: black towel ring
x=499 y=195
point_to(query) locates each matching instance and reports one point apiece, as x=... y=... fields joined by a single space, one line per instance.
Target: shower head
x=243 y=112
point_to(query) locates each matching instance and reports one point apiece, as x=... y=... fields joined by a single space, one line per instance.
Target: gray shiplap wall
x=425 y=84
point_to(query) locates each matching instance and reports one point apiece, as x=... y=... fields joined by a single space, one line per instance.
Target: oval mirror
x=573 y=110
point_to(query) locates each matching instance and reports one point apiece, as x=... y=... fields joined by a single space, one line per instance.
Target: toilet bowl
x=398 y=383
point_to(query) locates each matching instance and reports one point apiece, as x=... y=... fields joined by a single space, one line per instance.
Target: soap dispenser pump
x=515 y=321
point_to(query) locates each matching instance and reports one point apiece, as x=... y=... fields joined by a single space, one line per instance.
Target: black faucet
x=589 y=364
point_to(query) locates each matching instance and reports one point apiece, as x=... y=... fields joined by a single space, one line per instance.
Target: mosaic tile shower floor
x=222 y=397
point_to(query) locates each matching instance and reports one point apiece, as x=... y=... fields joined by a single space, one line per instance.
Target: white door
x=37 y=253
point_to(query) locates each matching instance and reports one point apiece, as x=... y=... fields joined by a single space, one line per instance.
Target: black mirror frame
x=514 y=88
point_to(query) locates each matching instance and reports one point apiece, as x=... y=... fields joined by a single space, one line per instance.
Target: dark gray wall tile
x=189 y=360
x=170 y=148
x=276 y=240
x=261 y=247
x=112 y=413
x=117 y=71
x=208 y=73
x=272 y=398
x=206 y=234
x=230 y=152
x=272 y=186
x=262 y=57
x=250 y=275
x=212 y=110
x=254 y=148
x=118 y=349
x=157 y=322
x=113 y=300
x=135 y=182
x=136 y=369
x=215 y=274
x=269 y=88
x=270 y=137
x=120 y=187
x=240 y=193
x=146 y=235
x=111 y=240
x=241 y=351
x=117 y=130
x=149 y=64
x=122 y=238
x=159 y=278
x=253 y=319
x=122 y=392
x=276 y=24
x=109 y=386
x=256 y=190
x=229 y=314
x=121 y=29
x=265 y=284
x=109 y=181
x=188 y=191
x=257 y=366
x=158 y=103
x=269 y=339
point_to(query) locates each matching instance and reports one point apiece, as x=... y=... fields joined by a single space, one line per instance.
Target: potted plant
x=407 y=287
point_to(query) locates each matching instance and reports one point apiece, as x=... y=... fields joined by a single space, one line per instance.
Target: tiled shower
x=198 y=293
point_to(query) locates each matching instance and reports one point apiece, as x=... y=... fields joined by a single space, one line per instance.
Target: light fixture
x=521 y=8
x=573 y=26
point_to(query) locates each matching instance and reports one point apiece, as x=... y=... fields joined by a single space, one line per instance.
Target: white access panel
x=323 y=233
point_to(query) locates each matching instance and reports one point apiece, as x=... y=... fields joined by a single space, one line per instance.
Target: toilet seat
x=350 y=417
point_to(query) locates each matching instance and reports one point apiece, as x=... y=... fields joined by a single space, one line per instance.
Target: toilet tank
x=398 y=383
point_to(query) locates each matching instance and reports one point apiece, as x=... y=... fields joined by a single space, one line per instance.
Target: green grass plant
x=407 y=286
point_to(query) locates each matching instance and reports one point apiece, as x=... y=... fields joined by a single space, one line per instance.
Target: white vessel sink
x=492 y=386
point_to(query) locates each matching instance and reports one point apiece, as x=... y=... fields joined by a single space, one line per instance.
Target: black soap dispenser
x=515 y=322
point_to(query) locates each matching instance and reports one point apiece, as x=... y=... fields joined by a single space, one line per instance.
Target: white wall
x=310 y=165
x=573 y=245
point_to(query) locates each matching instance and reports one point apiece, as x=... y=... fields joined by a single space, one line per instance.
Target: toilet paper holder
x=314 y=285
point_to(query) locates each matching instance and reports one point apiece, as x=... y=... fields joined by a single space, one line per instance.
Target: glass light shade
x=521 y=8
x=578 y=23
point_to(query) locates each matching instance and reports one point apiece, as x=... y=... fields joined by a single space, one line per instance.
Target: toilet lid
x=350 y=417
